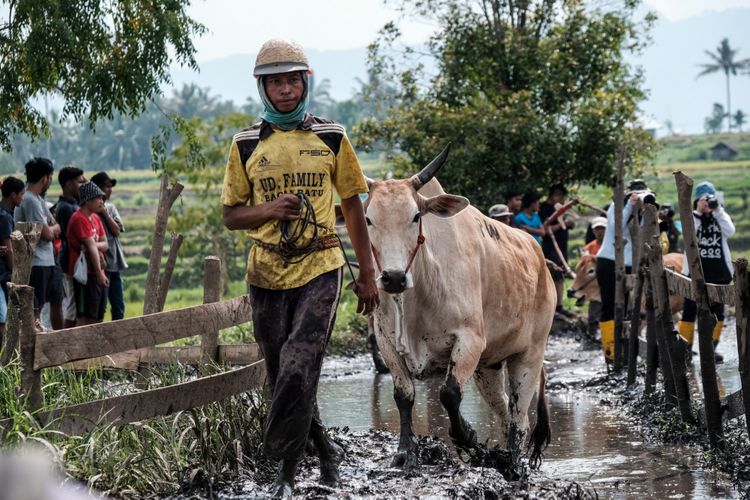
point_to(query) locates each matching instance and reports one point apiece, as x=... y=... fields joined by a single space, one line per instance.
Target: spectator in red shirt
x=86 y=233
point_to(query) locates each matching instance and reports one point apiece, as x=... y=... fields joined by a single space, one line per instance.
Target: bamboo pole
x=22 y=298
x=706 y=319
x=742 y=305
x=619 y=200
x=24 y=241
x=211 y=293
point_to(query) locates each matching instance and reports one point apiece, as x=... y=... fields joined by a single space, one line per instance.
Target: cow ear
x=444 y=205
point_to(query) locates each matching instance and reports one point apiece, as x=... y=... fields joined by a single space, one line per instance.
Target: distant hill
x=670 y=66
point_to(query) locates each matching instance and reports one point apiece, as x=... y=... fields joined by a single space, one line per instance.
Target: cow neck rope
x=291 y=232
x=420 y=241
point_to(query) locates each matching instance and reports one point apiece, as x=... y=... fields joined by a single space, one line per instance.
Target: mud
x=608 y=441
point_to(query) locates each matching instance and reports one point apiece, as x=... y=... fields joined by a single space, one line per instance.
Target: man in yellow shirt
x=278 y=185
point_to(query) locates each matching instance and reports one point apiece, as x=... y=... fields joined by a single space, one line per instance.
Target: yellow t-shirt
x=264 y=163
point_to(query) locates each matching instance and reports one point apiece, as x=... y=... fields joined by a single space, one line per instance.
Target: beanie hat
x=704 y=189
x=89 y=191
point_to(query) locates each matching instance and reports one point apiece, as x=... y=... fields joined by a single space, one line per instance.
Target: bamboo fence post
x=23 y=241
x=619 y=200
x=22 y=297
x=742 y=307
x=211 y=293
x=706 y=319
x=166 y=278
x=652 y=352
x=635 y=299
x=167 y=197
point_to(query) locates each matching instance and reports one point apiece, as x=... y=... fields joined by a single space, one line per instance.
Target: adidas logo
x=264 y=162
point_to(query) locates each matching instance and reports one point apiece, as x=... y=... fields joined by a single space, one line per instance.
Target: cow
x=585 y=287
x=460 y=295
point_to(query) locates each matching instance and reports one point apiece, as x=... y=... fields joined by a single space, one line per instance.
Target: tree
x=712 y=124
x=740 y=118
x=100 y=57
x=528 y=92
x=724 y=59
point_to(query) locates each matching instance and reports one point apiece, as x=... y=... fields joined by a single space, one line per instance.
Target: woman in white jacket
x=713 y=228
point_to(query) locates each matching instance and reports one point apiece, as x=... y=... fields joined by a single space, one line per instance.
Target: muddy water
x=591 y=444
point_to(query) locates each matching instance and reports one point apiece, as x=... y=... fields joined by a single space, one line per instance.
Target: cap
x=499 y=210
x=704 y=189
x=599 y=222
x=635 y=186
x=89 y=191
x=102 y=177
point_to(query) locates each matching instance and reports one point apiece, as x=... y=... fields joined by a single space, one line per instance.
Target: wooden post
x=22 y=298
x=619 y=200
x=635 y=298
x=211 y=293
x=652 y=352
x=24 y=241
x=167 y=197
x=665 y=360
x=166 y=278
x=742 y=307
x=706 y=319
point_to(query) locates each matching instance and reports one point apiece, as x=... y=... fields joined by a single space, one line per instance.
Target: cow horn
x=369 y=182
x=431 y=169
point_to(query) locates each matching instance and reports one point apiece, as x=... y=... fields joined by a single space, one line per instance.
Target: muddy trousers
x=292 y=328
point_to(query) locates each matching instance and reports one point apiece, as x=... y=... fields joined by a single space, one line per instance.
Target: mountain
x=670 y=67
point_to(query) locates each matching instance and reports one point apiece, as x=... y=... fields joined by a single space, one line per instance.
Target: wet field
x=593 y=444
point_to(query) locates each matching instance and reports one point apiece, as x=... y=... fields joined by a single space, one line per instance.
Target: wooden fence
x=131 y=344
x=40 y=350
x=664 y=351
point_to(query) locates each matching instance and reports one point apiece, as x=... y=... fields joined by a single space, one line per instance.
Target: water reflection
x=591 y=443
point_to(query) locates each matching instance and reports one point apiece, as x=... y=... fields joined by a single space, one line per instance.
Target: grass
x=194 y=451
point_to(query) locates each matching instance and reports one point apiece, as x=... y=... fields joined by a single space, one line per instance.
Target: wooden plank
x=91 y=341
x=128 y=360
x=82 y=418
x=742 y=290
x=679 y=284
x=211 y=293
x=233 y=354
x=22 y=298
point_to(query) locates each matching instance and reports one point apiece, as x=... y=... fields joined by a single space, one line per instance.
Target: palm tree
x=740 y=118
x=724 y=60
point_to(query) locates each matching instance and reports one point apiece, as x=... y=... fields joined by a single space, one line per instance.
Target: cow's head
x=393 y=213
x=584 y=285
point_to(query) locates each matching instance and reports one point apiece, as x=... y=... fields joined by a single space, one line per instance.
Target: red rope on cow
x=420 y=242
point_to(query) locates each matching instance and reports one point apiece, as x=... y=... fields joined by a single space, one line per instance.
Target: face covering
x=285 y=121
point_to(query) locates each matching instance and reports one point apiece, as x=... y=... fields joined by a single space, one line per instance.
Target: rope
x=289 y=247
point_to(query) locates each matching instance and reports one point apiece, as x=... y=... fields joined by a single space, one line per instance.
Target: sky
x=241 y=26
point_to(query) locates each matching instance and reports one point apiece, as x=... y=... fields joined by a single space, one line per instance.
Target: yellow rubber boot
x=607 y=329
x=686 y=329
x=717 y=331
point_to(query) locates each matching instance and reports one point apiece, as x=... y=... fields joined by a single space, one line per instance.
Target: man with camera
x=713 y=227
x=605 y=262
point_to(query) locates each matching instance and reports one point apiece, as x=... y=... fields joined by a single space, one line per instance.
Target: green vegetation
x=528 y=93
x=101 y=57
x=723 y=60
x=197 y=450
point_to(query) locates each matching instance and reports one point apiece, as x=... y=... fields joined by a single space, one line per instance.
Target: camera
x=647 y=197
x=713 y=202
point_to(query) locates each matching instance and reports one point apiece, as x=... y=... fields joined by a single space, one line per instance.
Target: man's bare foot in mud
x=284 y=484
x=329 y=465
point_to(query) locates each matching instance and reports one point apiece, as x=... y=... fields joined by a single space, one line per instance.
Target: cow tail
x=542 y=433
